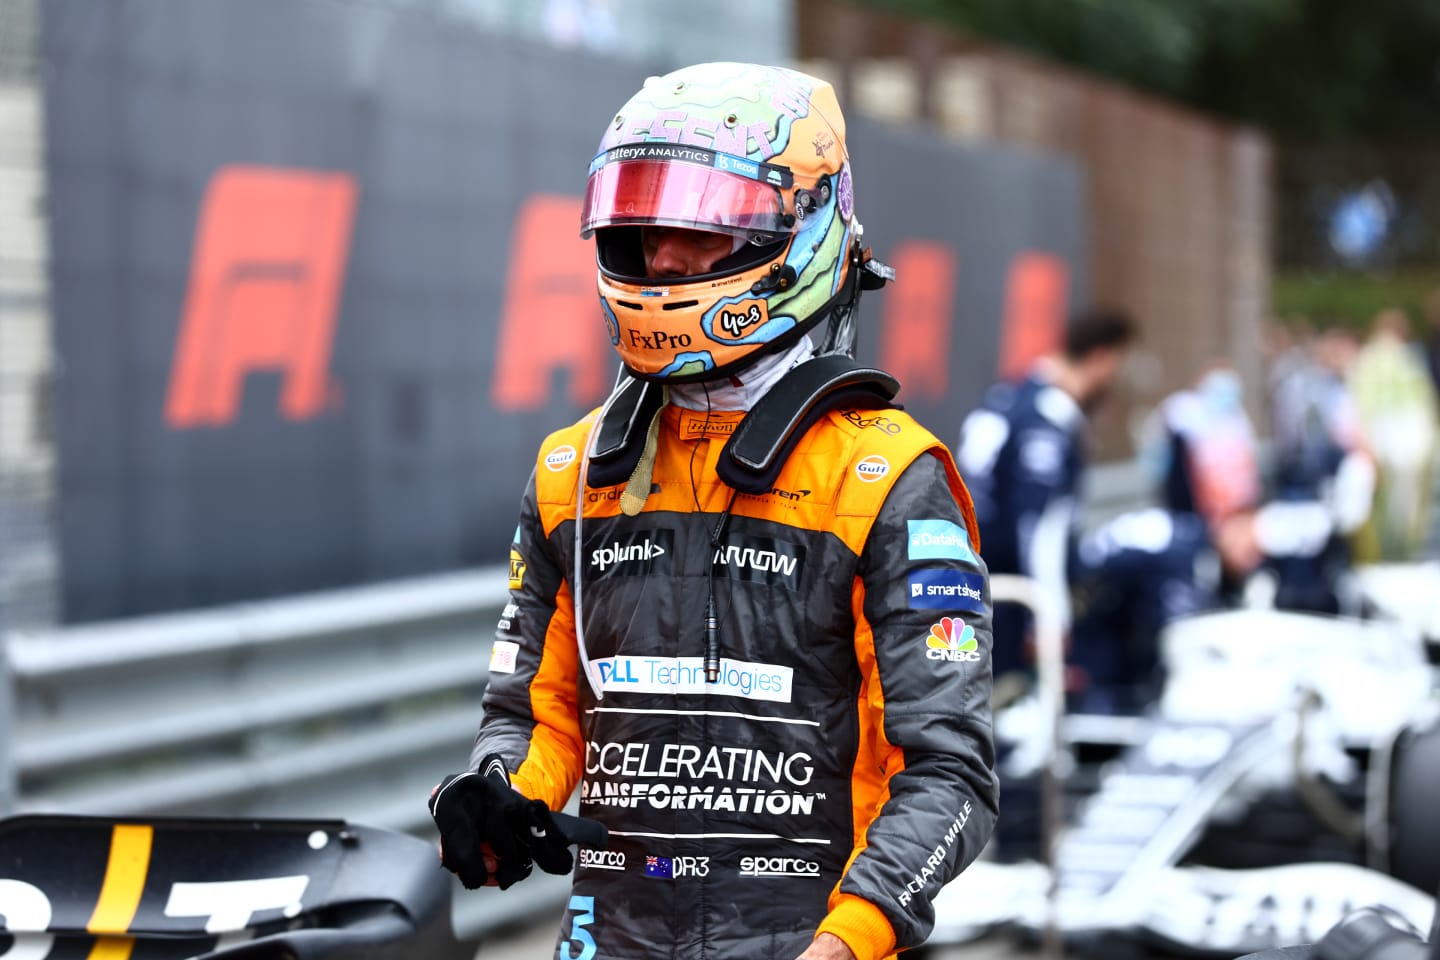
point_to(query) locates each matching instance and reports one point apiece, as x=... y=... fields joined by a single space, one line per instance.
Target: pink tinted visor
x=673 y=194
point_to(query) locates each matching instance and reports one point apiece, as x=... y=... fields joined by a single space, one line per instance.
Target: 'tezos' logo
x=761 y=560
x=952 y=639
x=601 y=859
x=944 y=589
x=560 y=458
x=636 y=554
x=778 y=867
x=872 y=468
x=732 y=322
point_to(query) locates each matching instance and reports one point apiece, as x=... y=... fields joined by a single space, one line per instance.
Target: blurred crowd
x=1268 y=501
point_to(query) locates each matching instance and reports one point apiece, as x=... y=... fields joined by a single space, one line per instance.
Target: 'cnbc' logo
x=952 y=639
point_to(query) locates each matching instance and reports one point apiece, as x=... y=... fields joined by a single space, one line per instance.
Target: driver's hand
x=492 y=862
x=487 y=854
x=827 y=946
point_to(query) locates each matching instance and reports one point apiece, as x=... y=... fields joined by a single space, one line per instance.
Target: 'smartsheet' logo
x=761 y=560
x=938 y=588
x=636 y=554
x=939 y=540
x=952 y=639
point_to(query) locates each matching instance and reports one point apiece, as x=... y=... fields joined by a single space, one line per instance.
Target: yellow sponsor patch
x=517 y=569
x=695 y=425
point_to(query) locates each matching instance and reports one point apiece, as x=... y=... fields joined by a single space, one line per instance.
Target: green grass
x=1352 y=299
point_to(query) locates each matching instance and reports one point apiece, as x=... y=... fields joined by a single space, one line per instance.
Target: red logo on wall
x=266 y=276
x=552 y=320
x=919 y=310
x=1035 y=295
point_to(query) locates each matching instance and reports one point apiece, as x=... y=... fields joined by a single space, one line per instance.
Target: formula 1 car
x=1253 y=807
x=1372 y=933
x=163 y=889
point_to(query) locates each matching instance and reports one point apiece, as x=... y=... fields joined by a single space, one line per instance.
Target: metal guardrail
x=348 y=703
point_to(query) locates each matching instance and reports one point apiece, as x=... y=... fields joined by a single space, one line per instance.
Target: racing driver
x=748 y=616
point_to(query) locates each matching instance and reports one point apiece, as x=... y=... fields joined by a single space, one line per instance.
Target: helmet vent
x=629 y=305
x=681 y=305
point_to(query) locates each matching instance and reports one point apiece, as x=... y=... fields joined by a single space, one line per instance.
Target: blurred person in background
x=1315 y=423
x=1022 y=453
x=1145 y=569
x=1292 y=552
x=772 y=684
x=1431 y=309
x=1134 y=575
x=1200 y=447
x=1395 y=401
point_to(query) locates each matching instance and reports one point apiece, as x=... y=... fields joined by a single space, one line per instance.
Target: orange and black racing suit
x=837 y=773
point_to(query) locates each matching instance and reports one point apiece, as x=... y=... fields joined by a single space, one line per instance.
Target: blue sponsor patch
x=938 y=589
x=939 y=540
x=733 y=164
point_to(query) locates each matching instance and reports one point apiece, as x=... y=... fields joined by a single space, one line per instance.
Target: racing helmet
x=754 y=152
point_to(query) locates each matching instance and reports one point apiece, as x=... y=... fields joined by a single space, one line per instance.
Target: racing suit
x=1021 y=451
x=840 y=770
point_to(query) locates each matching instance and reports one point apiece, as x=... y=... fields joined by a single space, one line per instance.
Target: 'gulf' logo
x=559 y=458
x=872 y=468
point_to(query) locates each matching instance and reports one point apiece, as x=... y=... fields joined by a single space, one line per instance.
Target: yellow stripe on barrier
x=124 y=881
x=112 y=948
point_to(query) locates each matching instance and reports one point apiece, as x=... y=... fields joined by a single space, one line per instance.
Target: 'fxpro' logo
x=952 y=639
x=640 y=553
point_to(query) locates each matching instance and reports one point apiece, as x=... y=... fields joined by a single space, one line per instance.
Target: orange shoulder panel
x=888 y=441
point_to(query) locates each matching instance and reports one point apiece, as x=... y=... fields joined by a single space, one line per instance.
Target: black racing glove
x=472 y=808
